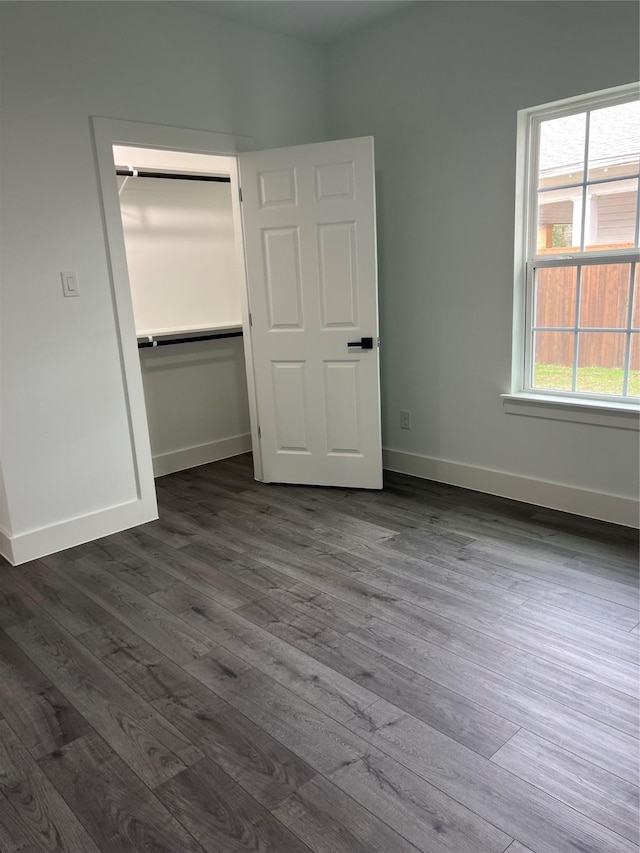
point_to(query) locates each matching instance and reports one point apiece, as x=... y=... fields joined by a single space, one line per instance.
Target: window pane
x=559 y=218
x=634 y=367
x=556 y=296
x=611 y=215
x=553 y=360
x=601 y=359
x=635 y=318
x=562 y=149
x=614 y=141
x=604 y=295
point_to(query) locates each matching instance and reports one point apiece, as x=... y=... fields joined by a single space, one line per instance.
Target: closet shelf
x=188 y=335
x=188 y=330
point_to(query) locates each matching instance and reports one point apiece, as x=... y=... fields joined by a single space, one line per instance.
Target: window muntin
x=582 y=332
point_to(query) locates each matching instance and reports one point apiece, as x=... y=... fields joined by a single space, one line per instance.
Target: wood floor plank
x=589 y=606
x=218 y=578
x=566 y=652
x=143 y=576
x=172 y=636
x=478 y=687
x=250 y=572
x=326 y=609
x=564 y=574
x=591 y=634
x=520 y=810
x=596 y=793
x=321 y=526
x=584 y=694
x=430 y=819
x=409 y=640
x=603 y=567
x=319 y=516
x=320 y=685
x=75 y=611
x=257 y=761
x=38 y=713
x=195 y=498
x=517 y=582
x=15 y=606
x=320 y=741
x=14 y=837
x=540 y=539
x=117 y=809
x=431 y=580
x=448 y=711
x=329 y=822
x=153 y=748
x=173 y=529
x=600 y=743
x=591 y=529
x=364 y=593
x=222 y=816
x=521 y=627
x=40 y=813
x=257 y=534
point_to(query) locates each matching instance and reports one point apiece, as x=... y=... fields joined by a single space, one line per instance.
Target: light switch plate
x=69 y=283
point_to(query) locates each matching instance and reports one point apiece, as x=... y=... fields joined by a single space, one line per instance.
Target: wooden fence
x=604 y=302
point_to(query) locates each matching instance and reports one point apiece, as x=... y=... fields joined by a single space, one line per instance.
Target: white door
x=310 y=245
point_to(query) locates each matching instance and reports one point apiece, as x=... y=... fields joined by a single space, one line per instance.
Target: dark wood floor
x=289 y=669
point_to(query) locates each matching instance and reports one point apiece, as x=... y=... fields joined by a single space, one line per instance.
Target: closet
x=186 y=292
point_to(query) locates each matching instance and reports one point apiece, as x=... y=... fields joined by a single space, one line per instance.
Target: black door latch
x=363 y=343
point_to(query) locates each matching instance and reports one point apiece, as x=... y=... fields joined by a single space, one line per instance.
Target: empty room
x=319 y=415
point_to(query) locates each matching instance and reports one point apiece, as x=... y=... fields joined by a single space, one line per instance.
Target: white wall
x=196 y=401
x=66 y=448
x=438 y=86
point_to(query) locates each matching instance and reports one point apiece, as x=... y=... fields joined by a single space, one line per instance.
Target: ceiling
x=318 y=20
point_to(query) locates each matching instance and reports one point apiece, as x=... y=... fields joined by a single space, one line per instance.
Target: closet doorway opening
x=186 y=281
x=187 y=402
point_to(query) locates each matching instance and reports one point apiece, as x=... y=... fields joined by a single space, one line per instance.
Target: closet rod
x=165 y=342
x=137 y=173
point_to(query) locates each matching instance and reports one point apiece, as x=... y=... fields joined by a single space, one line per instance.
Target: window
x=577 y=256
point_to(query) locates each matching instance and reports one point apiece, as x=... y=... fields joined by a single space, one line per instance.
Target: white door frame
x=107 y=133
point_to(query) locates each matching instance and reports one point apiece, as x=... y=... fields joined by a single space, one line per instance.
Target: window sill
x=617 y=415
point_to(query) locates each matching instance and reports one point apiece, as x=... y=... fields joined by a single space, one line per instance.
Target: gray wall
x=439 y=87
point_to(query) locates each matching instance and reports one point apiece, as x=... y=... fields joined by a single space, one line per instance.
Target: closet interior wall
x=182 y=262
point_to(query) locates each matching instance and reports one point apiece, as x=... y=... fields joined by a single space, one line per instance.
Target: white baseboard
x=605 y=507
x=23 y=547
x=190 y=457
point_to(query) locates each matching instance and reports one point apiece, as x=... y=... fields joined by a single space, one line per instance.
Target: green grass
x=592 y=380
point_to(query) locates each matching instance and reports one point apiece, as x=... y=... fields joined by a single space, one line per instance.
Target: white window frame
x=524 y=399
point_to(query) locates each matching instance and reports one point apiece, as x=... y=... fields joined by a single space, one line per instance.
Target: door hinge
x=250 y=318
x=259 y=433
x=240 y=193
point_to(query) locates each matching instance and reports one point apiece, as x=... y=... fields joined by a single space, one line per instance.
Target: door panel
x=281 y=249
x=338 y=274
x=309 y=230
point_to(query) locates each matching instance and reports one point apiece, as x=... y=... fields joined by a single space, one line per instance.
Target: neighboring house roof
x=614 y=139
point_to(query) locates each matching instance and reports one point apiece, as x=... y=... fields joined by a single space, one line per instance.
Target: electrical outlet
x=405 y=420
